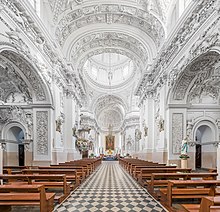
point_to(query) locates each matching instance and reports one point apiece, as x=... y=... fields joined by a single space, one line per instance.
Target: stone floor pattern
x=110 y=188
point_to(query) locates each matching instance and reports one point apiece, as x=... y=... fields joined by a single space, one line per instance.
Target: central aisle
x=110 y=188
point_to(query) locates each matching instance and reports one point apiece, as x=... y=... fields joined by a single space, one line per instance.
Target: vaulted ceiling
x=109 y=45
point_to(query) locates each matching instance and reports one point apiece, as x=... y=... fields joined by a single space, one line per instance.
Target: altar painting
x=110 y=142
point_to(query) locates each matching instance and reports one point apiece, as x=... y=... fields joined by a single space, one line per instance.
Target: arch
x=28 y=71
x=197 y=72
x=209 y=122
x=108 y=14
x=205 y=151
x=86 y=40
x=12 y=124
x=109 y=108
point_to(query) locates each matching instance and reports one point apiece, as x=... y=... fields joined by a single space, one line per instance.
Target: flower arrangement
x=184 y=156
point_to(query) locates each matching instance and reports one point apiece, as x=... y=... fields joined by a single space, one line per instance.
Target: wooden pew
x=84 y=169
x=25 y=195
x=145 y=173
x=159 y=180
x=13 y=169
x=138 y=169
x=81 y=171
x=48 y=180
x=89 y=166
x=187 y=189
x=205 y=205
x=71 y=174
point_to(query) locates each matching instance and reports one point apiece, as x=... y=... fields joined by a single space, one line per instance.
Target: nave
x=110 y=188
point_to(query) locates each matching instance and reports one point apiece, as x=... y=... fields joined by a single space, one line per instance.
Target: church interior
x=110 y=100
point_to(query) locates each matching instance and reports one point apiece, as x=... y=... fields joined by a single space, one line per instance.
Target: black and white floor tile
x=110 y=188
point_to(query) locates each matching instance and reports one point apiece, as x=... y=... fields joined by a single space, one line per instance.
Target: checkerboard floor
x=110 y=188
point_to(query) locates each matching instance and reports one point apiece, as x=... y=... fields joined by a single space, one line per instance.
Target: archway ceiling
x=200 y=77
x=132 y=28
x=109 y=109
x=12 y=87
x=158 y=7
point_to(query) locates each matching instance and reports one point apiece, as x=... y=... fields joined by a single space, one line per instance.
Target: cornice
x=31 y=26
x=190 y=24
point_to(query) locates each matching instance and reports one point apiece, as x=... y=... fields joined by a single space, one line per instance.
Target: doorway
x=198 y=157
x=15 y=147
x=21 y=154
x=205 y=154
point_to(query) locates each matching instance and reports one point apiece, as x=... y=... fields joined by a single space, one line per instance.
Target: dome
x=109 y=69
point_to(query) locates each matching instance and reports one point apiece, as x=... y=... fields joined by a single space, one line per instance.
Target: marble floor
x=110 y=188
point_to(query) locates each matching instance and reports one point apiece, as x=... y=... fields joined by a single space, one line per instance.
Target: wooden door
x=21 y=154
x=198 y=156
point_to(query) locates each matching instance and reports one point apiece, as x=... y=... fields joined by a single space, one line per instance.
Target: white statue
x=184 y=146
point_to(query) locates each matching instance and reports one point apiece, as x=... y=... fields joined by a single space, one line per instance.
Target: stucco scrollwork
x=12 y=87
x=198 y=72
x=137 y=135
x=60 y=120
x=29 y=74
x=42 y=132
x=108 y=39
x=5 y=115
x=110 y=13
x=177 y=132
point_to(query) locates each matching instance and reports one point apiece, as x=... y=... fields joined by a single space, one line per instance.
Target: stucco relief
x=199 y=70
x=177 y=132
x=104 y=101
x=15 y=10
x=108 y=39
x=5 y=115
x=157 y=7
x=42 y=132
x=200 y=14
x=12 y=87
x=16 y=113
x=110 y=13
x=29 y=74
x=138 y=62
x=132 y=122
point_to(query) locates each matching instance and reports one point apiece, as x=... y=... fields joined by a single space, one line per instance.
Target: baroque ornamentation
x=108 y=39
x=135 y=59
x=42 y=132
x=12 y=87
x=15 y=10
x=110 y=13
x=5 y=115
x=170 y=50
x=28 y=72
x=177 y=132
x=196 y=72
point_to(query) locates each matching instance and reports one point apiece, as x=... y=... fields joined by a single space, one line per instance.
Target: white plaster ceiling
x=90 y=32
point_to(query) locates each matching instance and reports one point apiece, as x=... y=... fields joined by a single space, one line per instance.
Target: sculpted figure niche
x=137 y=135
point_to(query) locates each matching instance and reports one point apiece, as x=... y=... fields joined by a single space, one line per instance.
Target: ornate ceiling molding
x=201 y=12
x=157 y=7
x=194 y=74
x=25 y=21
x=83 y=58
x=103 y=102
x=12 y=85
x=108 y=40
x=109 y=14
x=117 y=86
x=27 y=71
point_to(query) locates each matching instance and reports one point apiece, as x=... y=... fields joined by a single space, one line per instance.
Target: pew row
x=187 y=189
x=49 y=181
x=26 y=195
